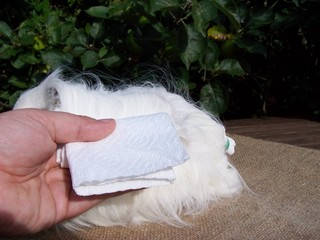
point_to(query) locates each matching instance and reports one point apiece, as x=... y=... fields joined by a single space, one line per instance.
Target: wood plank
x=295 y=131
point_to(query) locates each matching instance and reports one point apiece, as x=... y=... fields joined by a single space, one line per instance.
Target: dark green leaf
x=111 y=61
x=195 y=46
x=27 y=39
x=72 y=39
x=256 y=33
x=102 y=52
x=23 y=59
x=52 y=20
x=89 y=59
x=287 y=19
x=157 y=5
x=261 y=18
x=7 y=51
x=72 y=2
x=210 y=59
x=231 y=14
x=26 y=36
x=251 y=46
x=54 y=34
x=203 y=12
x=232 y=67
x=98 y=11
x=118 y=8
x=17 y=82
x=65 y=30
x=53 y=28
x=5 y=95
x=42 y=6
x=77 y=51
x=78 y=37
x=214 y=98
x=28 y=58
x=82 y=37
x=132 y=44
x=5 y=30
x=55 y=58
x=96 y=29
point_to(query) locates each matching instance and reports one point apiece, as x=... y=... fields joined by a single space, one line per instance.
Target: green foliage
x=214 y=97
x=201 y=40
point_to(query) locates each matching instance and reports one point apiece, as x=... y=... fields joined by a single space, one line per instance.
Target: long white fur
x=207 y=176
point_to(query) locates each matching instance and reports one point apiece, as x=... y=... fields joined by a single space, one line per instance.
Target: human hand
x=35 y=193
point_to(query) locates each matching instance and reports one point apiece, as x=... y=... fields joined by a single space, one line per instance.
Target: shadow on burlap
x=285 y=204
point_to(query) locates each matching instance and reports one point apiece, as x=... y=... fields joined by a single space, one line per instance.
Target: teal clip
x=227 y=145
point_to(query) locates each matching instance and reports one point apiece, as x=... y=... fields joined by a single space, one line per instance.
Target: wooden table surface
x=295 y=131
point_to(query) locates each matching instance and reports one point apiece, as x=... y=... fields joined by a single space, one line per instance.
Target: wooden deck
x=298 y=132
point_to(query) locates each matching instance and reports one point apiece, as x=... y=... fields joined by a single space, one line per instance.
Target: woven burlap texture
x=284 y=202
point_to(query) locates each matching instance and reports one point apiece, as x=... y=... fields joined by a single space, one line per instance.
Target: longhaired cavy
x=206 y=177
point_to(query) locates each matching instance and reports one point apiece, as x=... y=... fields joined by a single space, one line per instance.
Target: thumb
x=66 y=127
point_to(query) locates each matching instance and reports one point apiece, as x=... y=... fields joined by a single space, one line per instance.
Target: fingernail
x=107 y=120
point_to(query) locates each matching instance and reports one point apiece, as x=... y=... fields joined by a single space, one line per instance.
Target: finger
x=73 y=128
x=66 y=127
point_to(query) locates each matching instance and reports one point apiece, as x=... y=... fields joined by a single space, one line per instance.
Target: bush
x=215 y=48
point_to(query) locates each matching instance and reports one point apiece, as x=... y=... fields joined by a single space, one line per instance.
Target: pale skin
x=35 y=193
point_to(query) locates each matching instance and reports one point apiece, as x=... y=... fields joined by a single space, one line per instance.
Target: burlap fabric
x=285 y=204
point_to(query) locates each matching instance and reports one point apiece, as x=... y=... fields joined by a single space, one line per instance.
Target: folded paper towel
x=140 y=153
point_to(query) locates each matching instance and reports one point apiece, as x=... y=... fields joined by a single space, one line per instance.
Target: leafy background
x=236 y=58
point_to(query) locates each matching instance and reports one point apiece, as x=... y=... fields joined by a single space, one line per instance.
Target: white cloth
x=140 y=153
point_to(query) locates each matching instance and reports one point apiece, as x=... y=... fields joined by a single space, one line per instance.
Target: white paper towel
x=140 y=153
